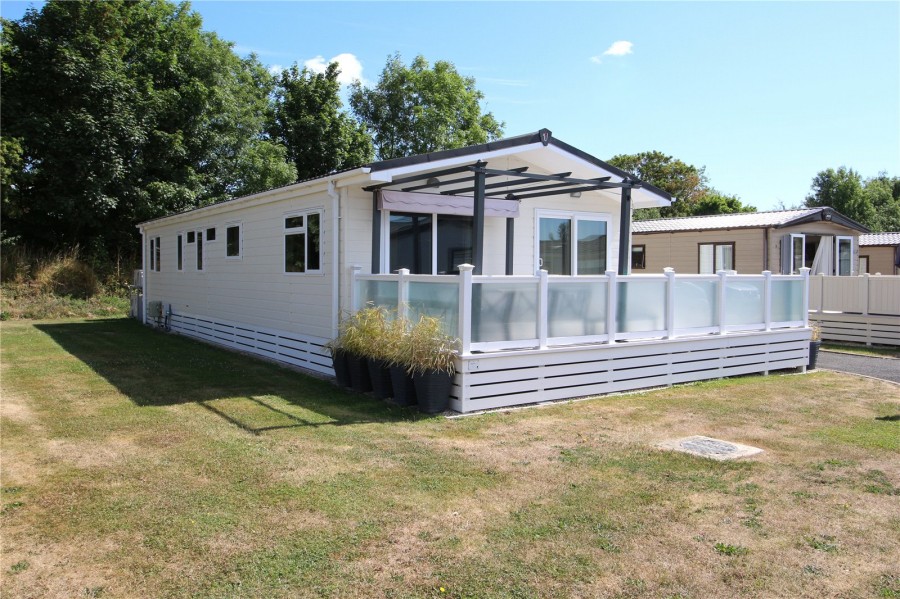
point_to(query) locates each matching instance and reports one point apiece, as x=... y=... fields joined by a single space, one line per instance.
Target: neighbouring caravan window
x=211 y=234
x=303 y=243
x=233 y=241
x=863 y=265
x=558 y=254
x=158 y=254
x=715 y=257
x=190 y=237
x=844 y=263
x=180 y=251
x=199 y=250
x=639 y=257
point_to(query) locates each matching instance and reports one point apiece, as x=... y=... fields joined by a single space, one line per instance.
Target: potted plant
x=429 y=355
x=815 y=342
x=357 y=342
x=397 y=347
x=339 y=358
x=378 y=332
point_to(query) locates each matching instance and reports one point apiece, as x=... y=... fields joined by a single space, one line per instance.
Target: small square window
x=293 y=222
x=190 y=237
x=639 y=257
x=211 y=234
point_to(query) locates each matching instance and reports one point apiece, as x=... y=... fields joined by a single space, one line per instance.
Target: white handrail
x=732 y=304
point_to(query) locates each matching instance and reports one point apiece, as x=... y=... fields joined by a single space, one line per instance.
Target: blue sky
x=764 y=94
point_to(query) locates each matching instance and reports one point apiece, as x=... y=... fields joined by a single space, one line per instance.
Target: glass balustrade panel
x=440 y=300
x=641 y=306
x=504 y=311
x=744 y=302
x=787 y=301
x=696 y=304
x=576 y=309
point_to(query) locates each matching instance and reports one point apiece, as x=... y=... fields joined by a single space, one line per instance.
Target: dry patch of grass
x=142 y=464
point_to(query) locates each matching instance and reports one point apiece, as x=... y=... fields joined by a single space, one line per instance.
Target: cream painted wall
x=253 y=289
x=681 y=250
x=881 y=259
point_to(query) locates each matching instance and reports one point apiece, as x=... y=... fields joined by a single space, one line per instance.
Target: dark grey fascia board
x=819 y=216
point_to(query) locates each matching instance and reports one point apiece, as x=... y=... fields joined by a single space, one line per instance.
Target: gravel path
x=882 y=368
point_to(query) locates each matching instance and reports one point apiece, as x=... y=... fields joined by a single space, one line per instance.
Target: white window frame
x=574 y=217
x=386 y=238
x=837 y=255
x=790 y=269
x=320 y=211
x=180 y=240
x=240 y=228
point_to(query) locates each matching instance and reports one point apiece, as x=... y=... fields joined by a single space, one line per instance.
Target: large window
x=429 y=243
x=233 y=240
x=303 y=242
x=715 y=257
x=572 y=244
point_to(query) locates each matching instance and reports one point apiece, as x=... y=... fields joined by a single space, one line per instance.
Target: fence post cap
x=466 y=267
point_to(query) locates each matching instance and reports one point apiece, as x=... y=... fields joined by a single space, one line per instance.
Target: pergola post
x=510 y=236
x=376 y=235
x=625 y=232
x=478 y=219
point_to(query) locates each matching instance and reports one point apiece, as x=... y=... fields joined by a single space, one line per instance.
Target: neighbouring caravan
x=782 y=241
x=270 y=273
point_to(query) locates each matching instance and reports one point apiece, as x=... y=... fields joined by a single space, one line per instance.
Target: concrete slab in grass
x=707 y=447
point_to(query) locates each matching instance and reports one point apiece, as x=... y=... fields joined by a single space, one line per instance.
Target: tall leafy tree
x=883 y=192
x=687 y=183
x=419 y=108
x=310 y=122
x=119 y=111
x=843 y=190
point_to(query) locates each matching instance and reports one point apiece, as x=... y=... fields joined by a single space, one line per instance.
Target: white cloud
x=351 y=68
x=275 y=69
x=620 y=48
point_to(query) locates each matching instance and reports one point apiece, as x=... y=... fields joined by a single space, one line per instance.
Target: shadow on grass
x=153 y=368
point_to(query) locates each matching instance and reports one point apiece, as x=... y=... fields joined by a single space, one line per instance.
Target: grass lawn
x=139 y=464
x=863 y=350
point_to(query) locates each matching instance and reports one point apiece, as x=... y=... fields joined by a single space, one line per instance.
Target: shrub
x=67 y=276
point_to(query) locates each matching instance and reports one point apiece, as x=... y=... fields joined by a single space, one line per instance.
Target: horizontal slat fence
x=863 y=309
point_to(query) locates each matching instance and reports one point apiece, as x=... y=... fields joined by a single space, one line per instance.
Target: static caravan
x=879 y=253
x=521 y=246
x=782 y=241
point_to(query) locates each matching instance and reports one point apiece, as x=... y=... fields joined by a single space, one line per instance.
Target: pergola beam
x=497 y=185
x=520 y=169
x=425 y=176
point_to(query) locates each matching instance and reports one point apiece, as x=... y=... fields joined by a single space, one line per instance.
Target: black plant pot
x=380 y=375
x=813 y=353
x=433 y=391
x=403 y=387
x=359 y=373
x=341 y=368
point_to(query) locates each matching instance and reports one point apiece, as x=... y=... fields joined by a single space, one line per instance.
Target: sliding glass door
x=556 y=252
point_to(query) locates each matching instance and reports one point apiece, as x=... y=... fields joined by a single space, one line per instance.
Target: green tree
x=309 y=121
x=124 y=111
x=418 y=108
x=883 y=192
x=843 y=190
x=687 y=183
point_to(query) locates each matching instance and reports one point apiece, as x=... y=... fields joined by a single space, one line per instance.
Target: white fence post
x=720 y=316
x=670 y=302
x=611 y=306
x=354 y=292
x=465 y=308
x=865 y=295
x=543 y=308
x=767 y=299
x=403 y=293
x=805 y=273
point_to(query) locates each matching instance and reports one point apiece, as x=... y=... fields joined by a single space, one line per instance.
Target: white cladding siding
x=253 y=289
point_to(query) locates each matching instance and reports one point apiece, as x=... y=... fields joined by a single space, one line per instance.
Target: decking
x=529 y=339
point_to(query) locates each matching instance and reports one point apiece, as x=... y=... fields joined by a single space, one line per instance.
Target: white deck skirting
x=502 y=379
x=869 y=329
x=296 y=349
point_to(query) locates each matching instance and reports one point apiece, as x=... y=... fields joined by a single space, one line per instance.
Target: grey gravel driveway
x=882 y=368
